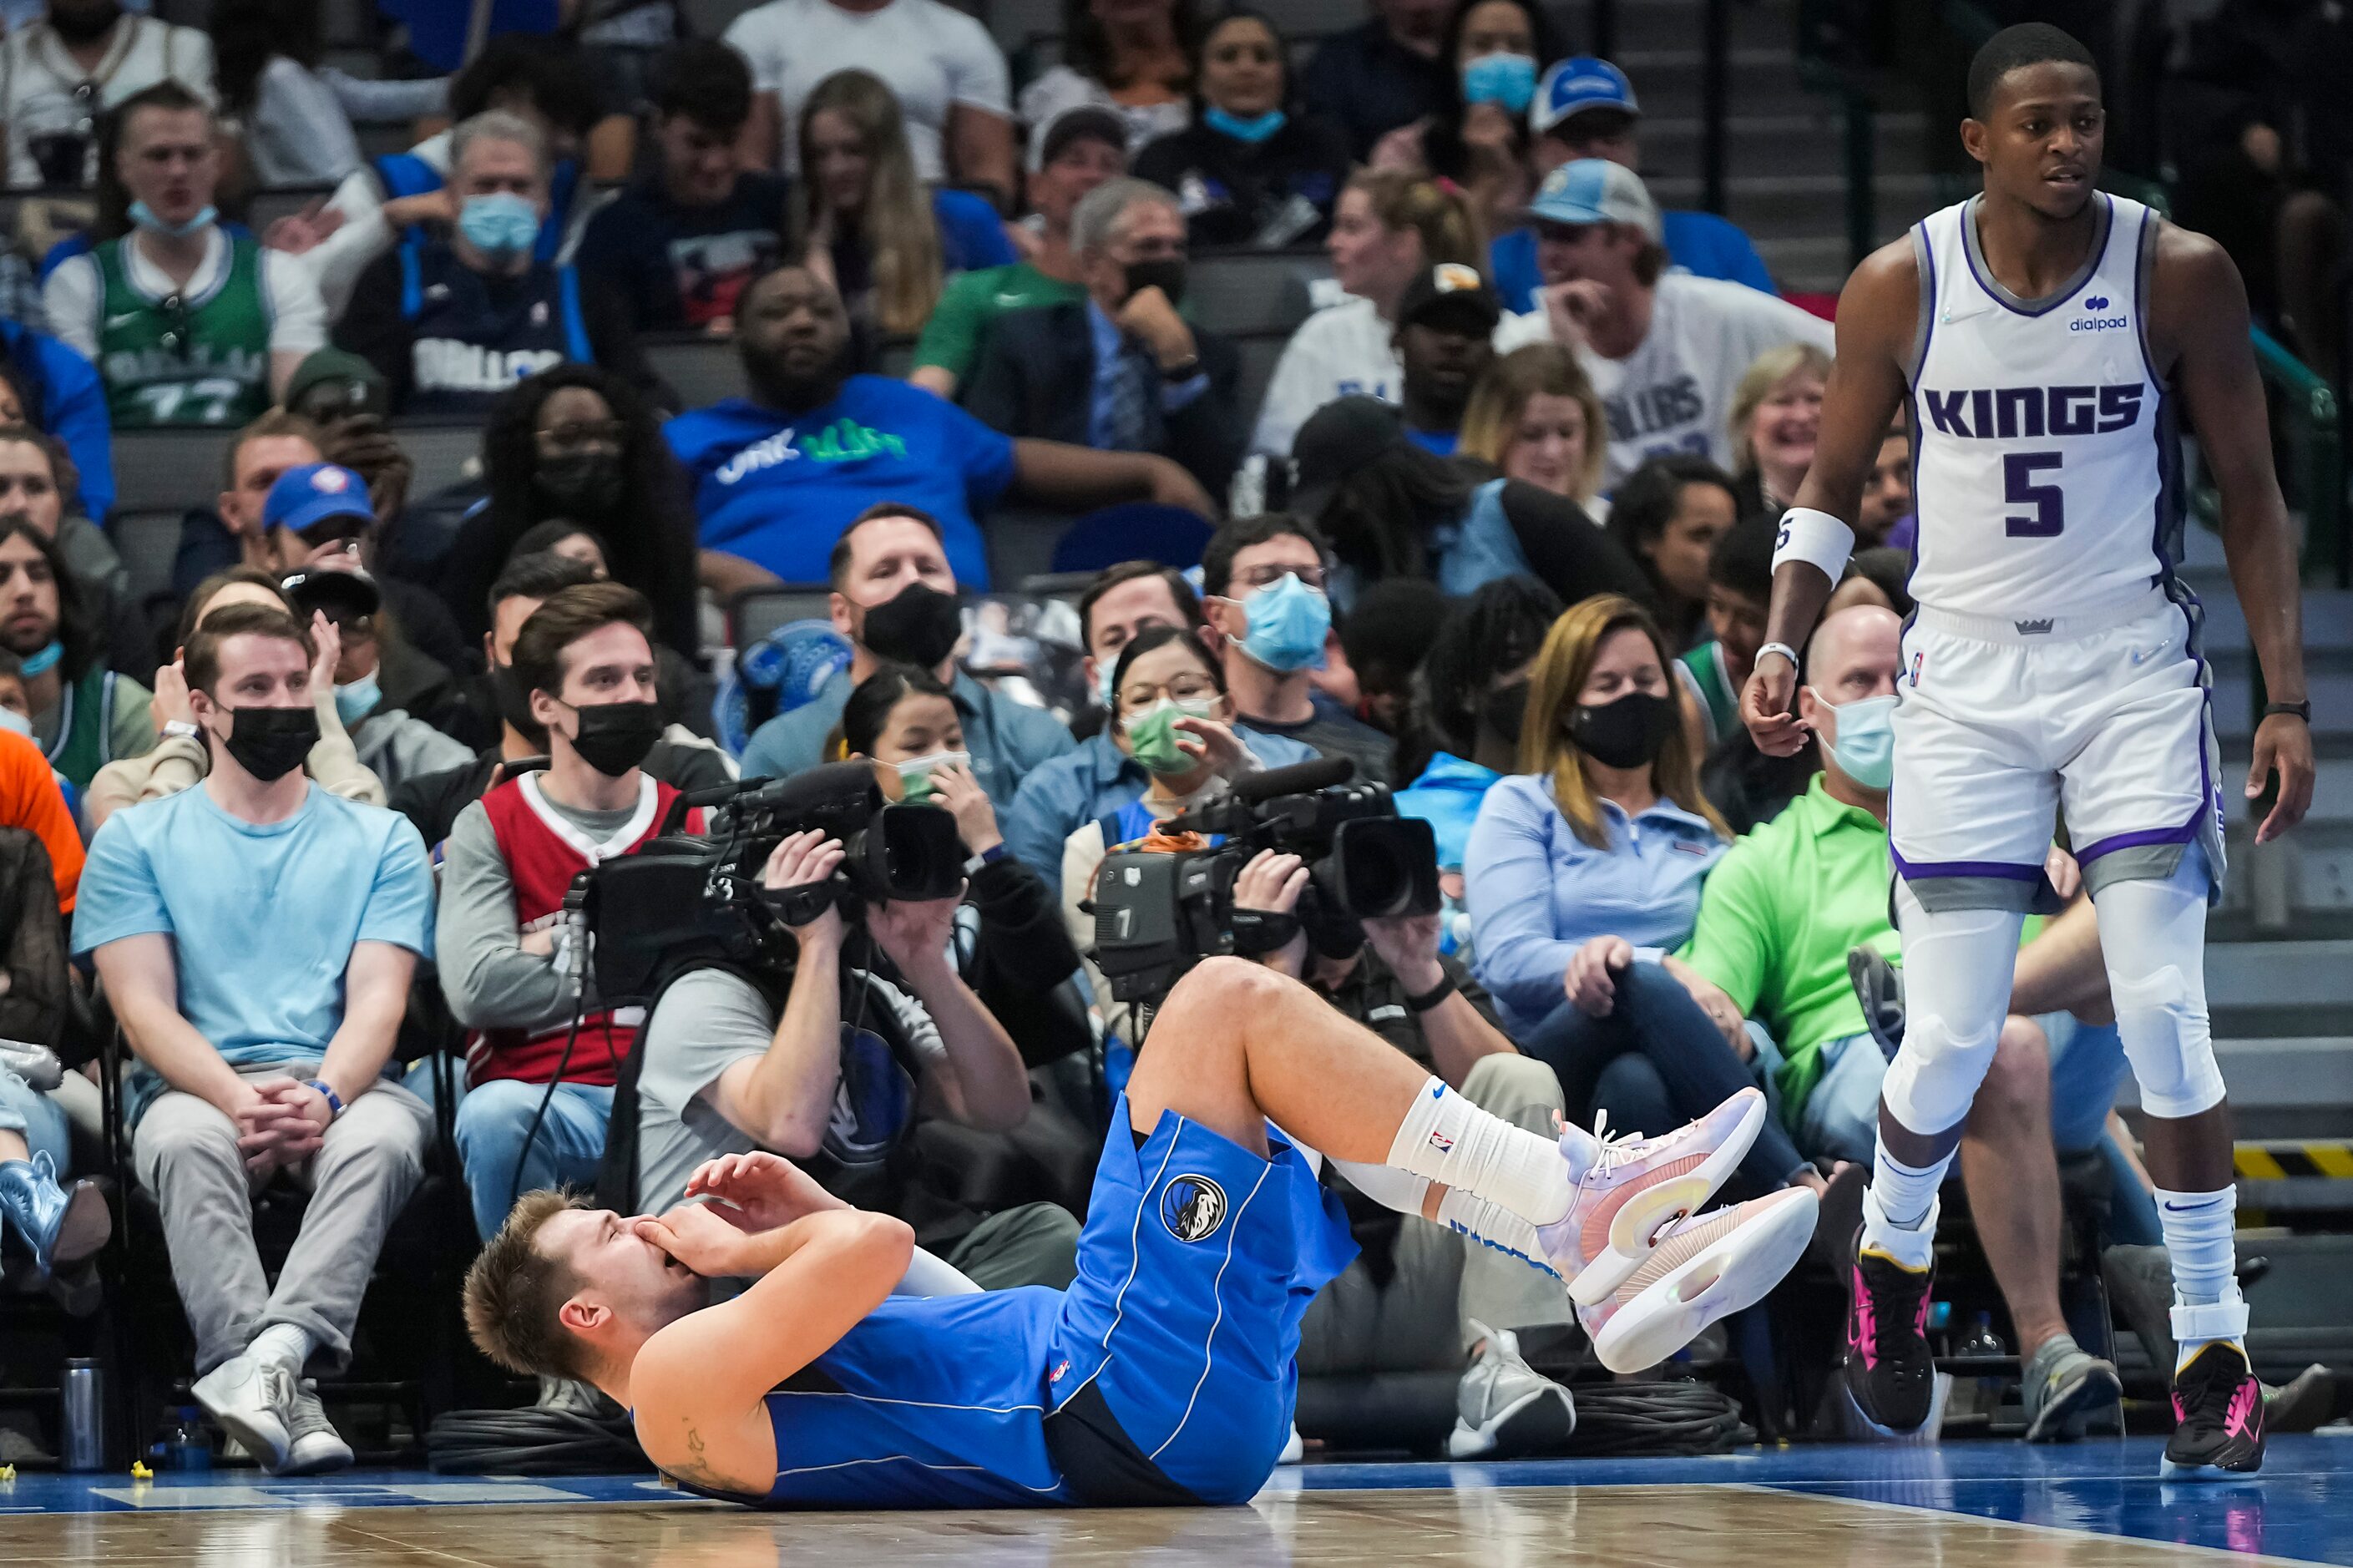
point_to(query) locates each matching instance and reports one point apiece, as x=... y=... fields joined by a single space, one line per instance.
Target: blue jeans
x=1654 y=1017
x=494 y=1118
x=42 y=1122
x=1841 y=1118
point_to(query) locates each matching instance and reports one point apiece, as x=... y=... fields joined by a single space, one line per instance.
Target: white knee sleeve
x=2154 y=937
x=1958 y=966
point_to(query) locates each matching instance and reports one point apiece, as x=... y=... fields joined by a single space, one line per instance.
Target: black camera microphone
x=1299 y=778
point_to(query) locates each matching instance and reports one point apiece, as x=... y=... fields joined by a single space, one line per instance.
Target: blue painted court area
x=2301 y=1508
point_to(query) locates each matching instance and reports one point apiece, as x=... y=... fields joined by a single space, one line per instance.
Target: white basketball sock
x=1450 y=1140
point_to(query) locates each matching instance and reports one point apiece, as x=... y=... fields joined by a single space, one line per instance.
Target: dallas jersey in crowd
x=777 y=490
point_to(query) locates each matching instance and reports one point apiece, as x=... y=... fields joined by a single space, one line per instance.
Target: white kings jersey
x=2044 y=456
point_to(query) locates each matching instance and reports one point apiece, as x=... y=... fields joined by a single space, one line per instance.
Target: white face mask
x=16 y=722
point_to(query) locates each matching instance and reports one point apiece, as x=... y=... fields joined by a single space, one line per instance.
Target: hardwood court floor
x=1989 y=1505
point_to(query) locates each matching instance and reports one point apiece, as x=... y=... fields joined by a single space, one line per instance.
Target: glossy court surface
x=1974 y=1505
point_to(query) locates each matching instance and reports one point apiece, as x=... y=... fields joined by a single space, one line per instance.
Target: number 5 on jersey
x=2018 y=488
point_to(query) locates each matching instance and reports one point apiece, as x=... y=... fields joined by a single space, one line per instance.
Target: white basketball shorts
x=2003 y=726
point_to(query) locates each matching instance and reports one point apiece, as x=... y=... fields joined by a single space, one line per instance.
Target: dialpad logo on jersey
x=1192 y=1208
x=2007 y=413
x=2098 y=323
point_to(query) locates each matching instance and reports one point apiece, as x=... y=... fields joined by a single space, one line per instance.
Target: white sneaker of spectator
x=1505 y=1407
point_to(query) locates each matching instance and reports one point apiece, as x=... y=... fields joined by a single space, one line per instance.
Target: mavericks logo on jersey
x=1192 y=1208
x=843 y=441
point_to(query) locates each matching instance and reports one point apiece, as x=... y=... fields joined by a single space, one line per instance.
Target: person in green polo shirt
x=1778 y=918
x=1739 y=587
x=1079 y=149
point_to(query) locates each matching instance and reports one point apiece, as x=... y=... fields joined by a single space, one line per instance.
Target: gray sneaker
x=252 y=1400
x=316 y=1445
x=2063 y=1385
x=1879 y=986
x=1505 y=1407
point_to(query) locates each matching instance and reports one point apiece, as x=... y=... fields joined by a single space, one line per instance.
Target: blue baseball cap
x=1578 y=83
x=305 y=497
x=1588 y=191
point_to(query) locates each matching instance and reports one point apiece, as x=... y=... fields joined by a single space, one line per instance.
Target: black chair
x=406 y=1347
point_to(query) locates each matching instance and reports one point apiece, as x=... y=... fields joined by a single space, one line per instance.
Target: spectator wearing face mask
x=1585 y=108
x=779 y=474
x=38 y=483
x=863 y=219
x=84 y=715
x=1666 y=351
x=1776 y=414
x=1079 y=150
x=1251 y=169
x=1390 y=227
x=1394 y=509
x=1385 y=72
x=579 y=444
x=894 y=598
x=187 y=324
x=390 y=201
x=677 y=248
x=1584 y=869
x=1122 y=372
x=392 y=744
x=586 y=661
x=432 y=801
x=1533 y=416
x=454 y=322
x=180 y=760
x=1479 y=139
x=1100 y=775
x=1263 y=581
x=1133 y=59
x=82 y=59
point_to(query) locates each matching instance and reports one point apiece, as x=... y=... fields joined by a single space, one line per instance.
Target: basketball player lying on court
x=1165 y=1372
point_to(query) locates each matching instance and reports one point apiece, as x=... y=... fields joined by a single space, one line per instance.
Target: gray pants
x=1420 y=1321
x=185 y=1152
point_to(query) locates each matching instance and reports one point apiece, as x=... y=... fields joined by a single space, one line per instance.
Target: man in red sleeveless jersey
x=509 y=966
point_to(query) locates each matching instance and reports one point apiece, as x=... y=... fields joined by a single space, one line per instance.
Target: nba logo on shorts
x=1192 y=1208
x=1917 y=660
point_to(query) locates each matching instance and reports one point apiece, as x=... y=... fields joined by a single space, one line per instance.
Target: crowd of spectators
x=1498 y=533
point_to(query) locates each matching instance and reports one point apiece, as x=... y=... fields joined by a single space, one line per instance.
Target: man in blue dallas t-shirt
x=778 y=475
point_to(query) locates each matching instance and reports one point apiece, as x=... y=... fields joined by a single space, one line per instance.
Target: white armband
x=1816 y=537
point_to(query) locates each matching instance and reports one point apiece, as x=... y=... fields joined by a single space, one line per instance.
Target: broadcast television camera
x=1158 y=913
x=686 y=900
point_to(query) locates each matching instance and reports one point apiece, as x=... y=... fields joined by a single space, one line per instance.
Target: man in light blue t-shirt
x=257 y=935
x=778 y=476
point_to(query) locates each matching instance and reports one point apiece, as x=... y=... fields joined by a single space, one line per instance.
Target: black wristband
x=2297 y=710
x=1257 y=933
x=1434 y=995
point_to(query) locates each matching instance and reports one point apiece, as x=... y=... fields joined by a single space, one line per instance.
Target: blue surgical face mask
x=44 y=661
x=1865 y=747
x=1508 y=81
x=144 y=216
x=1288 y=621
x=502 y=225
x=1253 y=131
x=357 y=701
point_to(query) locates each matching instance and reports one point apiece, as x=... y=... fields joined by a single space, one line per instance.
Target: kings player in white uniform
x=2046 y=339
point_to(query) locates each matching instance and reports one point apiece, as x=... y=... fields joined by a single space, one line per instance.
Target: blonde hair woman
x=864 y=221
x=1591 y=858
x=1535 y=417
x=1776 y=414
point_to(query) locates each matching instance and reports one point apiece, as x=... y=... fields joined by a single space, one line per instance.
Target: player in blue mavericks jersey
x=2048 y=337
x=1165 y=1372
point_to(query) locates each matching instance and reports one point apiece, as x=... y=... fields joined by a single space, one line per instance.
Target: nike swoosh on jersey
x=122 y=319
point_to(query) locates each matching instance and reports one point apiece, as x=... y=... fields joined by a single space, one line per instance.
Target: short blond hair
x=1765 y=373
x=514 y=1292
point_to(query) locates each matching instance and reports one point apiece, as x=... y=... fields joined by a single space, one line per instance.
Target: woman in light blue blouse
x=1583 y=872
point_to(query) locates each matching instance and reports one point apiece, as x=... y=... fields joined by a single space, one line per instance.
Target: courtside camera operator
x=860 y=1025
x=1418 y=1296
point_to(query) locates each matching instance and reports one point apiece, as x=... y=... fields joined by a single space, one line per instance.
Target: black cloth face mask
x=615 y=736
x=580 y=481
x=1505 y=710
x=1166 y=274
x=270 y=743
x=919 y=627
x=514 y=704
x=1629 y=732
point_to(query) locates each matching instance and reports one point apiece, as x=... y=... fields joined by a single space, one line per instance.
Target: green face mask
x=915 y=774
x=1152 y=734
